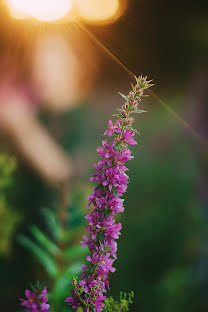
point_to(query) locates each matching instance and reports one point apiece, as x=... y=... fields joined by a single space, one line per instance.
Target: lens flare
x=98 y=10
x=43 y=10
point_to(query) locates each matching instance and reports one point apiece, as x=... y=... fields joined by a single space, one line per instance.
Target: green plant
x=58 y=250
x=111 y=305
x=9 y=218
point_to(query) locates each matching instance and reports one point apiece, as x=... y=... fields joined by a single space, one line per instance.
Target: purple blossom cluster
x=36 y=301
x=106 y=201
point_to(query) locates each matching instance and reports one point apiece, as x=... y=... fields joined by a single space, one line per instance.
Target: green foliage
x=124 y=96
x=7 y=168
x=9 y=218
x=53 y=224
x=37 y=287
x=44 y=240
x=41 y=254
x=111 y=305
x=139 y=111
x=59 y=251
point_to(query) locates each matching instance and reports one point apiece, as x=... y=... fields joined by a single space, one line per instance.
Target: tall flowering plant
x=106 y=201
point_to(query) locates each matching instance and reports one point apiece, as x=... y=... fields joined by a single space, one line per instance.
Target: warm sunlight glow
x=43 y=10
x=98 y=10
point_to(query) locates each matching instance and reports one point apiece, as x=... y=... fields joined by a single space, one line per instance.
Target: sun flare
x=43 y=10
x=98 y=10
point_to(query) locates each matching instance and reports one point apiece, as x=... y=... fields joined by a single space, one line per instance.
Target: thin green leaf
x=44 y=240
x=53 y=224
x=133 y=87
x=117 y=115
x=43 y=257
x=124 y=96
x=139 y=111
x=118 y=147
x=148 y=86
x=135 y=130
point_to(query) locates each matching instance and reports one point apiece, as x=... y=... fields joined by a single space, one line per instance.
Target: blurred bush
x=57 y=248
x=9 y=218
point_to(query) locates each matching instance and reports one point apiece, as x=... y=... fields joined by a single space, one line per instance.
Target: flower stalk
x=106 y=201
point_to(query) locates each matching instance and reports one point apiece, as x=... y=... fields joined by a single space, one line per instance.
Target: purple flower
x=93 y=259
x=105 y=264
x=127 y=136
x=107 y=152
x=114 y=177
x=73 y=301
x=122 y=158
x=112 y=128
x=113 y=246
x=35 y=302
x=87 y=242
x=113 y=231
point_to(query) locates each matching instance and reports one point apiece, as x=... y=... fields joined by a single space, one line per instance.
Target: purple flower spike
x=104 y=203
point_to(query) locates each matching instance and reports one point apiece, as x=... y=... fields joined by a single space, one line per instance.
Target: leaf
x=117 y=115
x=124 y=96
x=148 y=85
x=133 y=87
x=43 y=257
x=135 y=130
x=44 y=240
x=53 y=224
x=139 y=111
x=118 y=147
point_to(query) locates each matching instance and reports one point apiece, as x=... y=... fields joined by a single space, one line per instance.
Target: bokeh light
x=55 y=71
x=46 y=10
x=99 y=11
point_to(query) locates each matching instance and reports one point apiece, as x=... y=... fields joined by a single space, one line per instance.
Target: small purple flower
x=113 y=231
x=127 y=136
x=112 y=128
x=105 y=264
x=93 y=259
x=87 y=242
x=73 y=301
x=35 y=302
x=122 y=158
x=113 y=177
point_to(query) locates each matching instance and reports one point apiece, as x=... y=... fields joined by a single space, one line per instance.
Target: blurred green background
x=163 y=249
